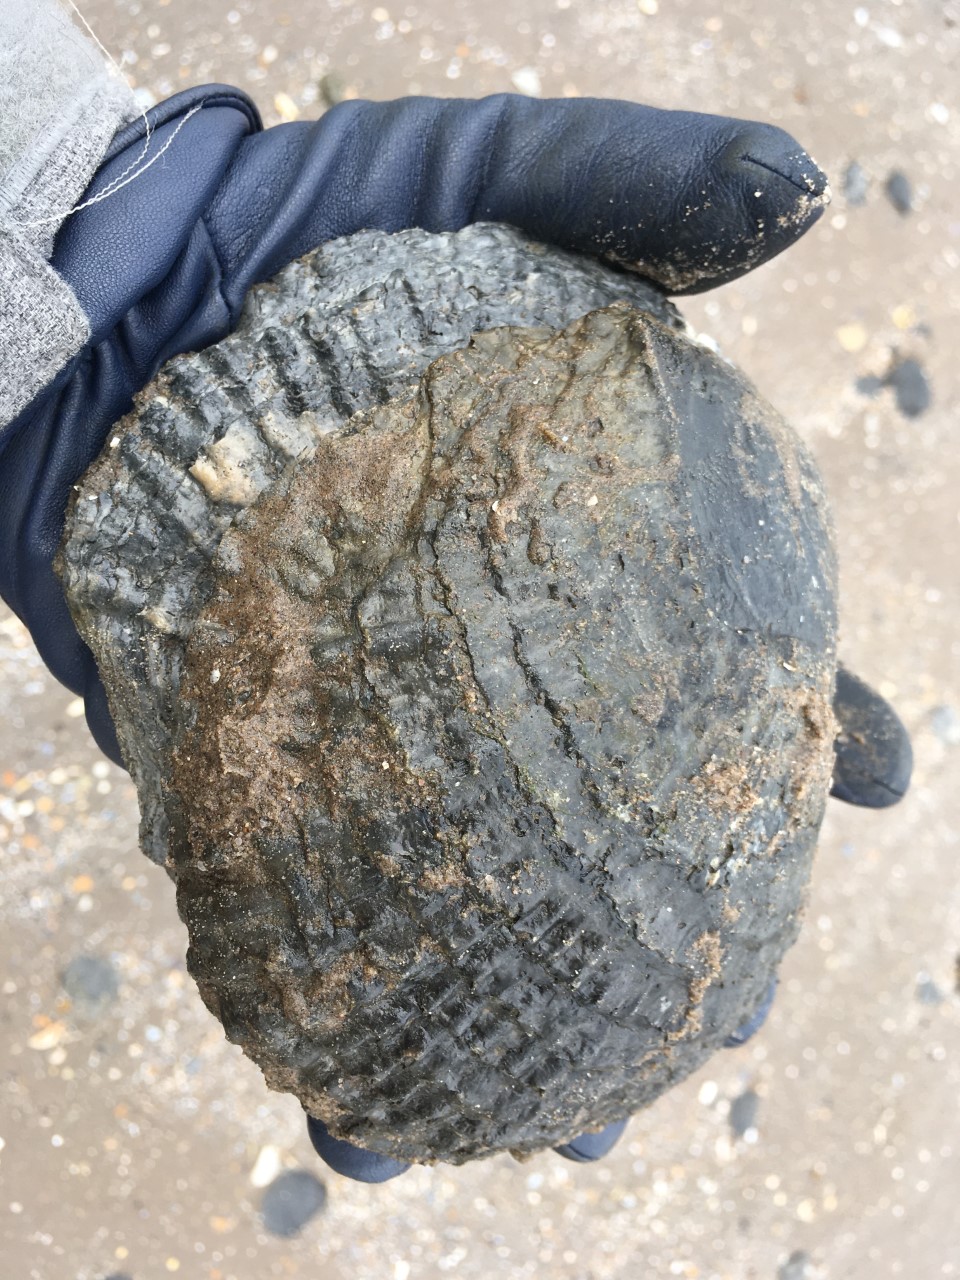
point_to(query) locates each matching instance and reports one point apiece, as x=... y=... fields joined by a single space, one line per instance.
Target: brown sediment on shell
x=344 y=329
x=480 y=705
x=709 y=952
x=353 y=699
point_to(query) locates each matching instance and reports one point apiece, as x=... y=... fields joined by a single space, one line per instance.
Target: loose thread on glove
x=136 y=165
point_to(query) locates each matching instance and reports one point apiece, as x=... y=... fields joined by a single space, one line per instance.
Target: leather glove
x=163 y=264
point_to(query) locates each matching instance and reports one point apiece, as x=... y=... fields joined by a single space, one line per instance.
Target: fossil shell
x=475 y=681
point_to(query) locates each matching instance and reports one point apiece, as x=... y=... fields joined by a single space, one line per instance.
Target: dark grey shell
x=487 y=741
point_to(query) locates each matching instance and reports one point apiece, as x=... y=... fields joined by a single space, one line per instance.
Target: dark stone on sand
x=927 y=991
x=870 y=385
x=743 y=1112
x=855 y=184
x=290 y=1201
x=908 y=382
x=910 y=386
x=90 y=982
x=795 y=1267
x=899 y=192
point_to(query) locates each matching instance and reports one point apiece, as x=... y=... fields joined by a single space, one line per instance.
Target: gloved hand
x=162 y=266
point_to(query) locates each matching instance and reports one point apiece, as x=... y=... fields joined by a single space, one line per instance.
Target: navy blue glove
x=162 y=267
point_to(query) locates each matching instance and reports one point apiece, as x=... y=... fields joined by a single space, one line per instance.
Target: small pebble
x=90 y=982
x=266 y=1166
x=743 y=1112
x=910 y=386
x=870 y=385
x=527 y=80
x=908 y=382
x=928 y=992
x=855 y=184
x=852 y=337
x=47 y=1037
x=899 y=192
x=290 y=1201
x=332 y=87
x=945 y=723
x=795 y=1267
x=708 y=1093
x=285 y=107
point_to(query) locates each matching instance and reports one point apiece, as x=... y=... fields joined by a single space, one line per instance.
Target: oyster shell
x=475 y=680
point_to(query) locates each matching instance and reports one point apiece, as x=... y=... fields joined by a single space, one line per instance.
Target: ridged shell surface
x=492 y=712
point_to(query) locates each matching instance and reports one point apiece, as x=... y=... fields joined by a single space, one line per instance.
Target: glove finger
x=874 y=759
x=593 y=1146
x=353 y=1162
x=163 y=265
x=748 y=1029
x=688 y=200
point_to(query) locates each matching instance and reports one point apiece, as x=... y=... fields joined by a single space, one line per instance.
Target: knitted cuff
x=60 y=105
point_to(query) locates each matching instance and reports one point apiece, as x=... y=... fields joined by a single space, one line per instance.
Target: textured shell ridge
x=493 y=704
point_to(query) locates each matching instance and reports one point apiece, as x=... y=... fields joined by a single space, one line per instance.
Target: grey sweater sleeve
x=60 y=105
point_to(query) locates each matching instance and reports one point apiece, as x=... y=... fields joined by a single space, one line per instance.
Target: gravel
x=899 y=192
x=856 y=184
x=290 y=1201
x=910 y=386
x=91 y=983
x=796 y=1266
x=927 y=992
x=743 y=1112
